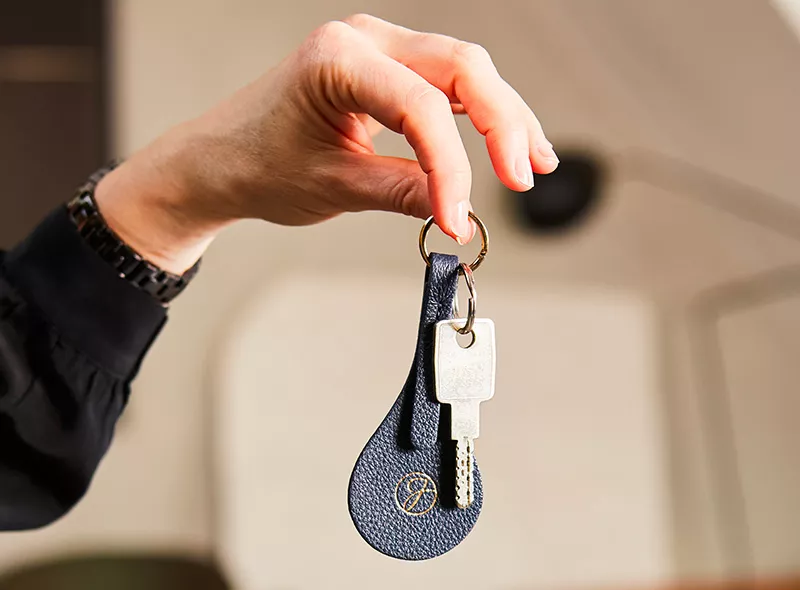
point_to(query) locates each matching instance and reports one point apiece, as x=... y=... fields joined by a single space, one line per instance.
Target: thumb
x=383 y=183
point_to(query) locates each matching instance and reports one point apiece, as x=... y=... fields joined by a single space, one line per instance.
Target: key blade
x=462 y=374
x=465 y=466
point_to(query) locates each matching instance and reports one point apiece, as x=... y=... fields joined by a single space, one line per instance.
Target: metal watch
x=164 y=286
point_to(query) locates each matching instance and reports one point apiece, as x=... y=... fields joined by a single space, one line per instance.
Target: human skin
x=294 y=147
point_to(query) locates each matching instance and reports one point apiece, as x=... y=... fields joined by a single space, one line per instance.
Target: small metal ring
x=423 y=241
x=472 y=302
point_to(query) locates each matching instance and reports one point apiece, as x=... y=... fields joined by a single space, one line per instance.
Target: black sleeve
x=72 y=336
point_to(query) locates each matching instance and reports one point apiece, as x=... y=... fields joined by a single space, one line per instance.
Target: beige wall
x=618 y=75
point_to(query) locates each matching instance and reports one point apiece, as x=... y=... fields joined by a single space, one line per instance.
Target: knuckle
x=471 y=53
x=359 y=19
x=424 y=95
x=325 y=45
x=331 y=34
x=462 y=174
x=406 y=196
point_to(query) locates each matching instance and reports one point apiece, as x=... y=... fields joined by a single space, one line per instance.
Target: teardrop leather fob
x=402 y=490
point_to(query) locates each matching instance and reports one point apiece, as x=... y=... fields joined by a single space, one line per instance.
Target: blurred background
x=647 y=300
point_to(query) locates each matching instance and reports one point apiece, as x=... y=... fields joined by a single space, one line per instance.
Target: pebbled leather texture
x=402 y=490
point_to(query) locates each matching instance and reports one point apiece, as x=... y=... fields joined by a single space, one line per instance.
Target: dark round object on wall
x=561 y=200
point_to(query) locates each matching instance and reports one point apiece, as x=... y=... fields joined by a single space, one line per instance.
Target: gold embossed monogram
x=416 y=493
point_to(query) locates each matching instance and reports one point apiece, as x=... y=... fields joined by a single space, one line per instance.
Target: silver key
x=464 y=377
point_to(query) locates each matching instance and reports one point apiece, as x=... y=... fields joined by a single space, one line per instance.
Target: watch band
x=164 y=286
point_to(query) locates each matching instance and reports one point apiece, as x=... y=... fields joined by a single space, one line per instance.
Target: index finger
x=364 y=80
x=465 y=72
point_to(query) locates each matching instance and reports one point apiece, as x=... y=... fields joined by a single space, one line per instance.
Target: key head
x=464 y=374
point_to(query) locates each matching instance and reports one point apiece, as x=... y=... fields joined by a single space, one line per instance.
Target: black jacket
x=72 y=336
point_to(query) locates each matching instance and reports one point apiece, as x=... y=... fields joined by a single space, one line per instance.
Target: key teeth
x=464 y=474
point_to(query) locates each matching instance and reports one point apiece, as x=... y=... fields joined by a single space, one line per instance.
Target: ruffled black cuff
x=107 y=318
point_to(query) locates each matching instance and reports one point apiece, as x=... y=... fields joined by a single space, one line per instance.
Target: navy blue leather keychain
x=416 y=492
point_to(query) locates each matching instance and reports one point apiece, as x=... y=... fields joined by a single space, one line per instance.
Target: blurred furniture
x=121 y=572
x=52 y=105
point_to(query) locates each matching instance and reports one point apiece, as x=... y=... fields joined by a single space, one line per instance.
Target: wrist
x=148 y=202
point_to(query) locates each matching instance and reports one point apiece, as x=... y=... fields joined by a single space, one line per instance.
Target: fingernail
x=460 y=222
x=524 y=171
x=547 y=151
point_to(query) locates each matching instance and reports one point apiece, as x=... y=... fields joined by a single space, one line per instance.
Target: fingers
x=372 y=126
x=465 y=73
x=362 y=79
x=382 y=183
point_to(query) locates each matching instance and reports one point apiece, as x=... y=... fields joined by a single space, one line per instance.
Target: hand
x=295 y=146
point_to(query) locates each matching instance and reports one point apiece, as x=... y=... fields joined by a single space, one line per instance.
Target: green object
x=117 y=572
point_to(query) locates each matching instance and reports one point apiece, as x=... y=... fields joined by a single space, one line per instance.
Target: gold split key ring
x=464 y=269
